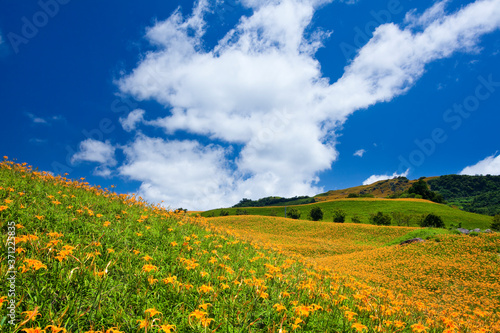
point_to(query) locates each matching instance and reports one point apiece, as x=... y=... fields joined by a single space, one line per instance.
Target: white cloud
x=376 y=178
x=181 y=173
x=46 y=121
x=35 y=119
x=38 y=141
x=489 y=166
x=262 y=88
x=133 y=118
x=360 y=152
x=436 y=12
x=95 y=151
x=390 y=63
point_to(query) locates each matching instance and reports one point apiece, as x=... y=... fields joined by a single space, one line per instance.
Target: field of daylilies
x=79 y=258
x=453 y=279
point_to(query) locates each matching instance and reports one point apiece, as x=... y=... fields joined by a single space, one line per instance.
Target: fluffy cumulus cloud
x=261 y=89
x=99 y=152
x=376 y=178
x=489 y=166
x=130 y=122
x=179 y=173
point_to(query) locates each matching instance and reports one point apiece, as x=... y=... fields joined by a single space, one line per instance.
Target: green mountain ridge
x=476 y=194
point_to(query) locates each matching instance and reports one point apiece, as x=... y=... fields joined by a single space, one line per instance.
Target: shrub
x=412 y=195
x=241 y=212
x=401 y=218
x=417 y=219
x=316 y=214
x=355 y=219
x=381 y=219
x=432 y=221
x=339 y=216
x=293 y=213
x=396 y=195
x=353 y=195
x=224 y=212
x=495 y=225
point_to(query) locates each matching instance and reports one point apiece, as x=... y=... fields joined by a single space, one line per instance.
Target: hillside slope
x=475 y=194
x=78 y=258
x=478 y=194
x=380 y=189
x=364 y=207
x=453 y=278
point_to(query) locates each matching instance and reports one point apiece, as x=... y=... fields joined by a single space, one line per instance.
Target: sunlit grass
x=364 y=207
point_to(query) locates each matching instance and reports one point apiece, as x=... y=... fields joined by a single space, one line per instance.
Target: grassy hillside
x=363 y=207
x=452 y=278
x=380 y=189
x=476 y=194
x=78 y=258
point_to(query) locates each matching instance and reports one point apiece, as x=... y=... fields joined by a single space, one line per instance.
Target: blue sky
x=201 y=103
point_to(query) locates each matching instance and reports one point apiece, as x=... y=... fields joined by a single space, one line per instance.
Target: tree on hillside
x=339 y=216
x=381 y=219
x=496 y=223
x=316 y=214
x=421 y=188
x=355 y=219
x=432 y=221
x=401 y=218
x=293 y=213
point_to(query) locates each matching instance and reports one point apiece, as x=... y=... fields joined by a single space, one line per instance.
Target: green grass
x=364 y=208
x=424 y=233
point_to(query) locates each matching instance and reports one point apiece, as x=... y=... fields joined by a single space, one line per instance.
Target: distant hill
x=274 y=201
x=362 y=208
x=477 y=194
x=380 y=189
